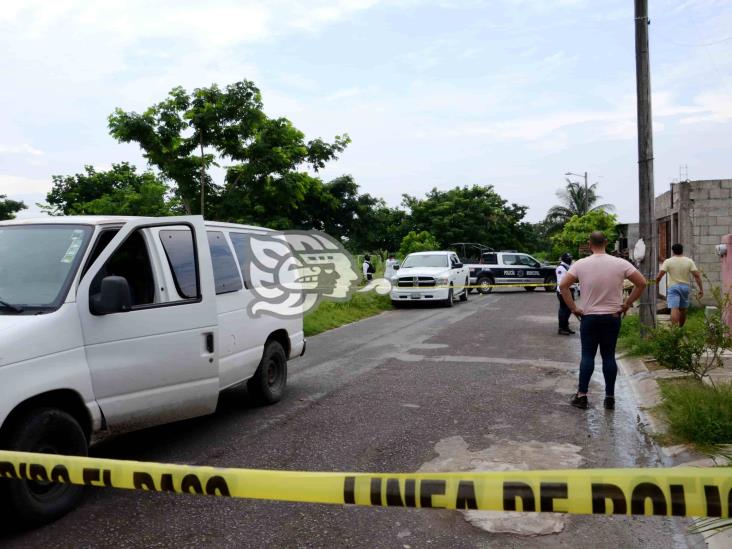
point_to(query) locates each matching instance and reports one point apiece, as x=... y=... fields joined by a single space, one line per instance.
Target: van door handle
x=209 y=342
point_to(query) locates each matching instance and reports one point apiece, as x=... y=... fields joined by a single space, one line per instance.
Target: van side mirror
x=457 y=265
x=396 y=267
x=113 y=297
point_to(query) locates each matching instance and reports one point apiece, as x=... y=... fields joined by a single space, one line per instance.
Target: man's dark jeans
x=602 y=331
x=564 y=312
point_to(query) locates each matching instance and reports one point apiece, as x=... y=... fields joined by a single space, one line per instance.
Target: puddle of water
x=507 y=455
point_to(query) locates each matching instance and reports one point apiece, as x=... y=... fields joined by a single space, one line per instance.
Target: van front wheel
x=267 y=386
x=46 y=431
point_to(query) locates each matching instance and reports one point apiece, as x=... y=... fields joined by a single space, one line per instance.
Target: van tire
x=553 y=287
x=267 y=386
x=48 y=431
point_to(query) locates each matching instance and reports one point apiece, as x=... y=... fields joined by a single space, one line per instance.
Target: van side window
x=241 y=245
x=178 y=245
x=131 y=261
x=104 y=238
x=226 y=275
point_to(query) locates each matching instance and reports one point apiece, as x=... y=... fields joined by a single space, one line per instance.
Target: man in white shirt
x=564 y=312
x=389 y=267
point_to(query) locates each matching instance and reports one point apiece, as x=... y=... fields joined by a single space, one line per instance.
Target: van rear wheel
x=45 y=431
x=267 y=386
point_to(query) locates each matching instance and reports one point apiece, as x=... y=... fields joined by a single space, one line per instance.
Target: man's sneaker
x=564 y=332
x=609 y=403
x=579 y=401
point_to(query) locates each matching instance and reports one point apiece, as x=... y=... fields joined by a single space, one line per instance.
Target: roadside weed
x=697 y=412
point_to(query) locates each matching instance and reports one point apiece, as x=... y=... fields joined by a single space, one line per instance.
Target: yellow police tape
x=694 y=492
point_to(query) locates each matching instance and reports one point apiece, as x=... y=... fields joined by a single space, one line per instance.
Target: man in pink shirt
x=601 y=277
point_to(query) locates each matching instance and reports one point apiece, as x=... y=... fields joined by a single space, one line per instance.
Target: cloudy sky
x=434 y=93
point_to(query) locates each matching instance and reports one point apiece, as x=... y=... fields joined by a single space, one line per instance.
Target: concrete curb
x=647 y=394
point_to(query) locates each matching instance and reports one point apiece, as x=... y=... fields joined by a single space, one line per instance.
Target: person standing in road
x=564 y=312
x=389 y=267
x=679 y=269
x=601 y=276
x=368 y=268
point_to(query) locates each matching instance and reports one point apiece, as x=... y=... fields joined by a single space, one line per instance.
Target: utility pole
x=646 y=194
x=202 y=185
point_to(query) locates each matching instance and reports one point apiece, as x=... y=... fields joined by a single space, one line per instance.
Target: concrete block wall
x=710 y=218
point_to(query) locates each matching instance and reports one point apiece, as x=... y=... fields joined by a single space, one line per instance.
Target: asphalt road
x=484 y=385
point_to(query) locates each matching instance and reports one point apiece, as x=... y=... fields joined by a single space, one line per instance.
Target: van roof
x=112 y=220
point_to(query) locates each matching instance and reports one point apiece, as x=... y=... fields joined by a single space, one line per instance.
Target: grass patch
x=698 y=413
x=631 y=341
x=329 y=314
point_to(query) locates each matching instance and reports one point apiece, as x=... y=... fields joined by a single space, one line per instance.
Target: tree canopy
x=575 y=200
x=8 y=207
x=418 y=242
x=186 y=134
x=468 y=214
x=119 y=191
x=271 y=178
x=577 y=231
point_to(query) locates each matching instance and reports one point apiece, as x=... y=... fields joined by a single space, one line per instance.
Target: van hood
x=423 y=271
x=24 y=337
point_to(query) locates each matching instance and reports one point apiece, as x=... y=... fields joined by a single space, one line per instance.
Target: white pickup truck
x=430 y=276
x=109 y=324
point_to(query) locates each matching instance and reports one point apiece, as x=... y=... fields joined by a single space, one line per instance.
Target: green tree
x=186 y=134
x=536 y=239
x=575 y=200
x=8 y=208
x=576 y=231
x=418 y=242
x=468 y=214
x=119 y=191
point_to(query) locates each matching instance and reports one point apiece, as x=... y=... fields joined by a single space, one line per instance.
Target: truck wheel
x=553 y=282
x=486 y=285
x=529 y=288
x=464 y=295
x=448 y=302
x=45 y=431
x=267 y=386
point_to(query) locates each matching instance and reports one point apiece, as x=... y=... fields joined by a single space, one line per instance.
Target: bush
x=678 y=348
x=697 y=412
x=697 y=348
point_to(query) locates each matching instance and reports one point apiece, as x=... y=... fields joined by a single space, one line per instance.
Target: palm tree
x=576 y=199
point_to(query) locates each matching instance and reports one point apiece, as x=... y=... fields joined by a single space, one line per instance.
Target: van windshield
x=427 y=260
x=37 y=264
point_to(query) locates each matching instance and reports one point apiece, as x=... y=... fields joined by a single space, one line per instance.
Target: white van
x=110 y=324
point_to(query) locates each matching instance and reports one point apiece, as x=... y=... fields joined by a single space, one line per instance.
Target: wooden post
x=647 y=217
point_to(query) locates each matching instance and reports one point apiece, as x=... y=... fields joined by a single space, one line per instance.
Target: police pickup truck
x=511 y=267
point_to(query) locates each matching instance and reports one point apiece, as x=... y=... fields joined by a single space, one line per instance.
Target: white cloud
x=712 y=107
x=23 y=150
x=15 y=185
